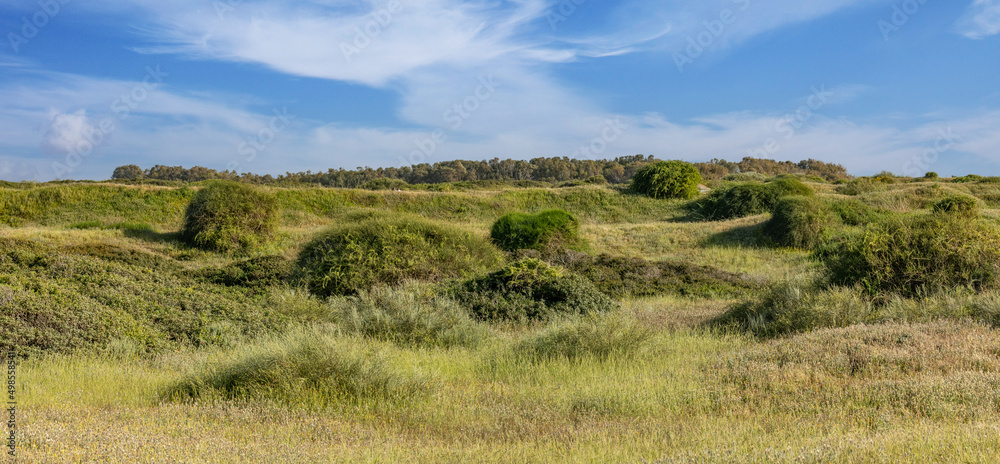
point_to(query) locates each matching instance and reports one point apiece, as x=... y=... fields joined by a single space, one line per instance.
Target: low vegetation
x=548 y=232
x=228 y=216
x=667 y=180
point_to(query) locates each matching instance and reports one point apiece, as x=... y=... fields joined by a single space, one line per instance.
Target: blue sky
x=269 y=87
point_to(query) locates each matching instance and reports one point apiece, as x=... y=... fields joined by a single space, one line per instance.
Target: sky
x=269 y=87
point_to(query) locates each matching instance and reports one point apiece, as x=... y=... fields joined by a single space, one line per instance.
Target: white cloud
x=982 y=20
x=68 y=133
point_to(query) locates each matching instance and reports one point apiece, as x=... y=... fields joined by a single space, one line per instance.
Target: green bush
x=410 y=314
x=667 y=179
x=790 y=308
x=967 y=179
x=746 y=199
x=860 y=186
x=931 y=175
x=230 y=216
x=855 y=213
x=371 y=249
x=549 y=231
x=621 y=277
x=257 y=273
x=529 y=290
x=959 y=205
x=800 y=222
x=745 y=177
x=918 y=255
x=307 y=367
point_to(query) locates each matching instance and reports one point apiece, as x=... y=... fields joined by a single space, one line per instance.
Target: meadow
x=723 y=343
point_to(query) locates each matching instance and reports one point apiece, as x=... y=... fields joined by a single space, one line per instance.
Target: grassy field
x=136 y=350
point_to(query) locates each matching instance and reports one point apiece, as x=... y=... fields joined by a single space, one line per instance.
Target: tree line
x=554 y=170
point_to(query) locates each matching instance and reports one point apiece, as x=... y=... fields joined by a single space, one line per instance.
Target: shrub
x=800 y=222
x=128 y=172
x=529 y=290
x=959 y=205
x=931 y=175
x=745 y=177
x=859 y=186
x=256 y=273
x=668 y=179
x=968 y=178
x=307 y=367
x=747 y=199
x=792 y=308
x=855 y=213
x=548 y=231
x=621 y=277
x=229 y=216
x=373 y=249
x=410 y=314
x=913 y=256
x=885 y=177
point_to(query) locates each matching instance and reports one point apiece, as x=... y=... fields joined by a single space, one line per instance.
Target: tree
x=129 y=171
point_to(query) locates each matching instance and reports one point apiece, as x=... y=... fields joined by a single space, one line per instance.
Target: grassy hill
x=723 y=347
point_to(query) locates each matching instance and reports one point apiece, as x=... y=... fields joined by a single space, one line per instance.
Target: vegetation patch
x=229 y=216
x=309 y=367
x=371 y=249
x=547 y=232
x=622 y=277
x=599 y=337
x=746 y=199
x=959 y=205
x=800 y=222
x=256 y=273
x=667 y=180
x=530 y=289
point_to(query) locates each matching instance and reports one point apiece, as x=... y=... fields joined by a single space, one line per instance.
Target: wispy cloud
x=982 y=20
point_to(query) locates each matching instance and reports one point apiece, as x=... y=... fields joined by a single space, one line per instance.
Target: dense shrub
x=385 y=183
x=855 y=213
x=229 y=216
x=959 y=205
x=528 y=290
x=411 y=314
x=668 y=179
x=257 y=273
x=748 y=199
x=787 y=185
x=800 y=222
x=745 y=177
x=548 y=231
x=931 y=175
x=968 y=178
x=860 y=186
x=308 y=367
x=373 y=249
x=621 y=277
x=885 y=177
x=913 y=256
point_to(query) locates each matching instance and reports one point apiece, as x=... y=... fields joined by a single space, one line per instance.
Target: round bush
x=668 y=179
x=548 y=231
x=800 y=222
x=529 y=290
x=959 y=205
x=229 y=216
x=386 y=249
x=747 y=199
x=913 y=256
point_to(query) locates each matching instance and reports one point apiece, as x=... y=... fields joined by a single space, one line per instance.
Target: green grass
x=143 y=349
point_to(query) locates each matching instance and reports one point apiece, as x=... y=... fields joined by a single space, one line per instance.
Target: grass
x=400 y=374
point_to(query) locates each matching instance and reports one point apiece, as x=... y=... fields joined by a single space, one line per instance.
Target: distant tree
x=129 y=171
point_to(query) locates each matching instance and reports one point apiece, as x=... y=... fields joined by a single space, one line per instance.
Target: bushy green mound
x=860 y=186
x=529 y=290
x=800 y=222
x=621 y=277
x=667 y=179
x=411 y=314
x=548 y=231
x=913 y=256
x=746 y=199
x=309 y=368
x=98 y=297
x=852 y=212
x=959 y=205
x=230 y=216
x=372 y=249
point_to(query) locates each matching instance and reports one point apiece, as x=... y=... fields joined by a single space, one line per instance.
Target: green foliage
x=529 y=290
x=667 y=179
x=256 y=273
x=855 y=213
x=885 y=177
x=800 y=222
x=860 y=186
x=959 y=205
x=308 y=367
x=789 y=308
x=128 y=172
x=599 y=337
x=385 y=184
x=548 y=232
x=371 y=249
x=411 y=314
x=228 y=216
x=746 y=177
x=931 y=175
x=919 y=255
x=967 y=179
x=621 y=277
x=747 y=199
